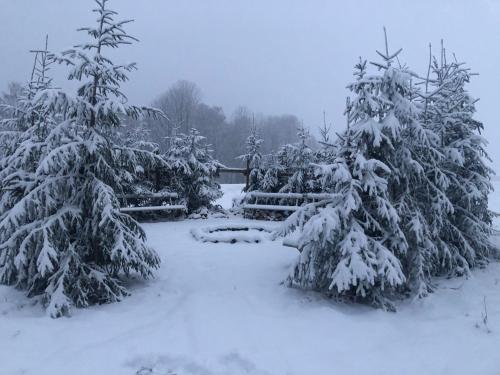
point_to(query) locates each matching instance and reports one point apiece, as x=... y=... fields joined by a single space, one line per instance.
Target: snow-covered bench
x=282 y=204
x=151 y=202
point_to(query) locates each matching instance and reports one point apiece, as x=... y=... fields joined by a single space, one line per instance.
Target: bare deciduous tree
x=179 y=103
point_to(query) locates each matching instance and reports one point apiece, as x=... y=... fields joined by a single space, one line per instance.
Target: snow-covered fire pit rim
x=248 y=233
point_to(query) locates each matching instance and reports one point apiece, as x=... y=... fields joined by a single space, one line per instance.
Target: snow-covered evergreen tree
x=416 y=183
x=466 y=229
x=253 y=145
x=409 y=174
x=8 y=99
x=10 y=130
x=145 y=179
x=297 y=158
x=66 y=239
x=193 y=170
x=253 y=157
x=289 y=169
x=22 y=142
x=18 y=108
x=137 y=134
x=271 y=178
x=327 y=150
x=351 y=243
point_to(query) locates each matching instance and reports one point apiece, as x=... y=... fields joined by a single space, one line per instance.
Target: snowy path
x=230 y=191
x=219 y=309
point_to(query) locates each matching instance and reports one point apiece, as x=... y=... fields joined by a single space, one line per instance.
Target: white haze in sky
x=282 y=56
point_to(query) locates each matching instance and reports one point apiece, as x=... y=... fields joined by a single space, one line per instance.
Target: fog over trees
x=225 y=134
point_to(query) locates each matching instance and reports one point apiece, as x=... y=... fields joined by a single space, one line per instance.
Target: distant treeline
x=184 y=108
x=183 y=105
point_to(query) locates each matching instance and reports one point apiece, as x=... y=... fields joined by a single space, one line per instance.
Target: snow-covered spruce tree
x=297 y=158
x=8 y=99
x=135 y=134
x=66 y=240
x=417 y=184
x=22 y=143
x=327 y=150
x=466 y=230
x=193 y=170
x=8 y=140
x=272 y=175
x=350 y=243
x=19 y=110
x=10 y=130
x=252 y=158
x=11 y=127
x=289 y=169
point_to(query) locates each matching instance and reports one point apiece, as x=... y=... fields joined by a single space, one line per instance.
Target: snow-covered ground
x=231 y=191
x=220 y=309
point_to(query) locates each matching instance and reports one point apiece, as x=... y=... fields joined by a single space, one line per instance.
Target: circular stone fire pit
x=232 y=233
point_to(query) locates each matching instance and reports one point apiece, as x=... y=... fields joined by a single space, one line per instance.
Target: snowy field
x=220 y=309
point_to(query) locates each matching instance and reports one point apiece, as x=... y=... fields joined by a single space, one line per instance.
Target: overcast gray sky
x=274 y=56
